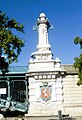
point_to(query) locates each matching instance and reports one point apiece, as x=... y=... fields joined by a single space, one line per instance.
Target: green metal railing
x=16 y=97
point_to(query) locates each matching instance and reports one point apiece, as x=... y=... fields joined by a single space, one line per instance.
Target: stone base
x=1 y=117
x=44 y=109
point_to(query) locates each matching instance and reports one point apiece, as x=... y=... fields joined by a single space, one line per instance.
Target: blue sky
x=64 y=15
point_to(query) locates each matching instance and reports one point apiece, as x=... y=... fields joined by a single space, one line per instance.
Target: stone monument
x=44 y=75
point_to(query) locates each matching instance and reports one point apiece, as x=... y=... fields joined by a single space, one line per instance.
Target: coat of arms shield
x=45 y=92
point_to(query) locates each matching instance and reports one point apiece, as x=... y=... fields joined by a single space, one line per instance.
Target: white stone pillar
x=44 y=74
x=43 y=25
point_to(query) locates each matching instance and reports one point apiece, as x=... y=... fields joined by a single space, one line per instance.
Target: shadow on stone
x=8 y=113
x=64 y=118
x=68 y=118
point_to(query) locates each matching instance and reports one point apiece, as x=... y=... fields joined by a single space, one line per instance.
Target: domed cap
x=42 y=15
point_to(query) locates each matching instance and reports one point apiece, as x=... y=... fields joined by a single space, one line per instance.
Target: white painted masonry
x=52 y=86
x=72 y=103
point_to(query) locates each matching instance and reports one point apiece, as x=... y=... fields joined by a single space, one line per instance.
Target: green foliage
x=78 y=60
x=10 y=44
x=3 y=65
x=78 y=40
